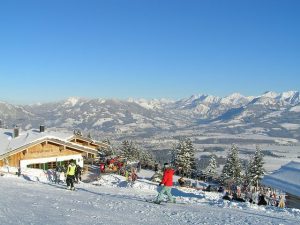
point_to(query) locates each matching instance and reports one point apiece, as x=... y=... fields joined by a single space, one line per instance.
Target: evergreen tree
x=256 y=168
x=106 y=150
x=191 y=150
x=178 y=157
x=247 y=179
x=183 y=157
x=211 y=169
x=146 y=159
x=129 y=150
x=232 y=168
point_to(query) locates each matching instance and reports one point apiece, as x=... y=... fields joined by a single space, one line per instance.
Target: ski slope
x=113 y=201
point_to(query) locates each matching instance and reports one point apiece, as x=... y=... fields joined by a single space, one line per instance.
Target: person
x=221 y=189
x=236 y=197
x=102 y=168
x=208 y=188
x=133 y=175
x=181 y=181
x=281 y=203
x=156 y=167
x=139 y=167
x=71 y=176
x=78 y=173
x=227 y=196
x=262 y=200
x=57 y=174
x=167 y=182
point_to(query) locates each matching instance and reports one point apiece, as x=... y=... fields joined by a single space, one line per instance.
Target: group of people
x=71 y=174
x=256 y=196
x=111 y=165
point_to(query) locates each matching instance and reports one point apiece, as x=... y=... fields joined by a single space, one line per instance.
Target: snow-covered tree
x=211 y=169
x=183 y=157
x=106 y=150
x=232 y=168
x=255 y=170
x=146 y=158
x=132 y=152
x=191 y=150
x=129 y=150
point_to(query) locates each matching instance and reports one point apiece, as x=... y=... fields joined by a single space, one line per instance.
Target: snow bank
x=113 y=180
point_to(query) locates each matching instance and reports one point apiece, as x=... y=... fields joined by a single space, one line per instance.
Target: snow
x=151 y=104
x=273 y=115
x=270 y=94
x=116 y=202
x=235 y=99
x=72 y=101
x=290 y=126
x=101 y=121
x=291 y=97
x=25 y=137
x=295 y=109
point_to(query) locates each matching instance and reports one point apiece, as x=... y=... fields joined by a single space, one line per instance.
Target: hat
x=166 y=165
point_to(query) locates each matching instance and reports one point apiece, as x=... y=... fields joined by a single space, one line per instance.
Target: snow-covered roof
x=287 y=178
x=9 y=143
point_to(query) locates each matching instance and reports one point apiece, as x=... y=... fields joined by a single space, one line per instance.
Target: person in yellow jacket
x=71 y=175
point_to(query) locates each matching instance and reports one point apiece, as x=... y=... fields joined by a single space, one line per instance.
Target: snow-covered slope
x=26 y=202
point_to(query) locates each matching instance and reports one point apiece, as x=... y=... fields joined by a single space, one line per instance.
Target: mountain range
x=272 y=114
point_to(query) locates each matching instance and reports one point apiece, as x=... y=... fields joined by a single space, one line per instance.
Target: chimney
x=42 y=128
x=16 y=131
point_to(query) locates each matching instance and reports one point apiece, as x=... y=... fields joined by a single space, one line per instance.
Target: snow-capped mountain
x=269 y=110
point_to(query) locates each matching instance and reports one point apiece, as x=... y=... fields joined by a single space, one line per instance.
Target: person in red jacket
x=167 y=182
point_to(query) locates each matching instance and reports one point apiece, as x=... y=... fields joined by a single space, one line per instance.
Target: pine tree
x=211 y=169
x=146 y=158
x=106 y=150
x=129 y=150
x=178 y=157
x=183 y=157
x=256 y=168
x=232 y=168
x=191 y=150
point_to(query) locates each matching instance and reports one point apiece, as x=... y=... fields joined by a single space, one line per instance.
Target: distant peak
x=270 y=94
x=235 y=95
x=72 y=101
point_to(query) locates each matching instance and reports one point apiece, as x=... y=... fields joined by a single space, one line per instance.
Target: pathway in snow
x=26 y=202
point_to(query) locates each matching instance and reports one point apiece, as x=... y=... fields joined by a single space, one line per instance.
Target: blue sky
x=50 y=50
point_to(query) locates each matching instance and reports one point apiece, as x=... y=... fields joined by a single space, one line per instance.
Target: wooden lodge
x=44 y=149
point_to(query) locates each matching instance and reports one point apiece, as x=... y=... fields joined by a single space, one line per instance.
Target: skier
x=71 y=176
x=78 y=173
x=167 y=182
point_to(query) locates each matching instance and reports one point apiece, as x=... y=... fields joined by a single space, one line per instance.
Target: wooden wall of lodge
x=43 y=150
